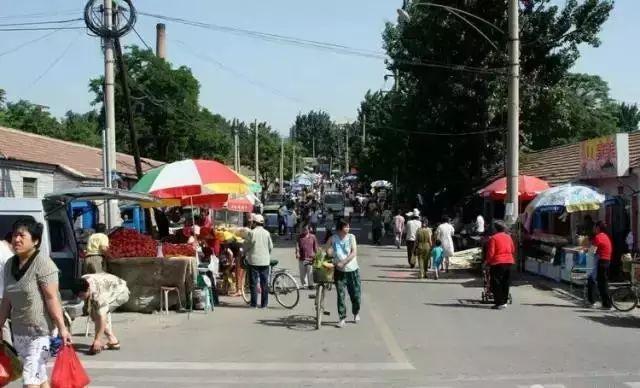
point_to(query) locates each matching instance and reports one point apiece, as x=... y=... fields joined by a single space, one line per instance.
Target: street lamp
x=513 y=106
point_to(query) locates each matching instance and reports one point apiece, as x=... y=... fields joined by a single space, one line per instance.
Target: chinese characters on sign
x=603 y=157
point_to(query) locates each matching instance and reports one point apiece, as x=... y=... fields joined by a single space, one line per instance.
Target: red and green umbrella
x=187 y=178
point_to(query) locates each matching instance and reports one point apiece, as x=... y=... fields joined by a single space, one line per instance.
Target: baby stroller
x=487 y=295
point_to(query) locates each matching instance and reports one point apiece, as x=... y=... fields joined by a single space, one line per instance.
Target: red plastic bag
x=68 y=372
x=5 y=369
x=10 y=365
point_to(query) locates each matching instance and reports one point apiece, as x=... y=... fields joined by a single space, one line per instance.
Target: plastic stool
x=164 y=298
x=86 y=329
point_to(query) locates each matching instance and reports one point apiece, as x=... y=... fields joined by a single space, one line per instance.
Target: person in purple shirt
x=306 y=249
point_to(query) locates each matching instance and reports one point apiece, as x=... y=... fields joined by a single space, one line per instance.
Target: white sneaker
x=356 y=318
x=341 y=323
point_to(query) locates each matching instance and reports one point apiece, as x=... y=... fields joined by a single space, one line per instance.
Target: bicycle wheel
x=246 y=290
x=285 y=288
x=319 y=305
x=624 y=299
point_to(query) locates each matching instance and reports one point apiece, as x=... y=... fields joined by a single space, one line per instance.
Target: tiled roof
x=76 y=159
x=561 y=164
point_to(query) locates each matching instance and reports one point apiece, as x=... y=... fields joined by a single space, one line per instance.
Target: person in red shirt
x=604 y=250
x=500 y=258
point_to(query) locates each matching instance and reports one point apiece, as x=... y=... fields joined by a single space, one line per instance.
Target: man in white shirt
x=6 y=252
x=292 y=220
x=480 y=224
x=445 y=233
x=412 y=228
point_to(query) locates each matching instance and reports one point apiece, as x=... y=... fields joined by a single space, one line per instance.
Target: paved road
x=413 y=333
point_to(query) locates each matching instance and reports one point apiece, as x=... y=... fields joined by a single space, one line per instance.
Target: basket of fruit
x=322 y=268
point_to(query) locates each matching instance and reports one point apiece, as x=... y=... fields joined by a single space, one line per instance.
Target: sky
x=251 y=78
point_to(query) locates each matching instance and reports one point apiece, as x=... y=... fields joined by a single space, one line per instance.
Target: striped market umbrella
x=253 y=186
x=190 y=177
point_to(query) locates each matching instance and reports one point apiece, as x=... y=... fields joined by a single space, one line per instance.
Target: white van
x=58 y=239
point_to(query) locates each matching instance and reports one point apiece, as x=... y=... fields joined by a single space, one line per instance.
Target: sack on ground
x=68 y=372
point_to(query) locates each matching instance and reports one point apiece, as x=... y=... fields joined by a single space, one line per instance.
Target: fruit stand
x=137 y=259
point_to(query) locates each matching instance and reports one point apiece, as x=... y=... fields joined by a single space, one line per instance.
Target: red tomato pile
x=125 y=242
x=169 y=249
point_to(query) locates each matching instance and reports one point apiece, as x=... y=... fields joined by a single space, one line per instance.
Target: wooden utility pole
x=122 y=68
x=255 y=126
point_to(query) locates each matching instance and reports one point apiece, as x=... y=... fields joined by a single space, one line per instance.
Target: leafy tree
x=628 y=117
x=580 y=108
x=30 y=117
x=82 y=128
x=442 y=129
x=168 y=118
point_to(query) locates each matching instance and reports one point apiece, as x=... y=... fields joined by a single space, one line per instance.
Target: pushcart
x=487 y=295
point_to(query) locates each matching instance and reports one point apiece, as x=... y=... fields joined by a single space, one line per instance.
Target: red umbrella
x=528 y=188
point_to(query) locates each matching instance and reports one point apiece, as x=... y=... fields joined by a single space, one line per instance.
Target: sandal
x=115 y=346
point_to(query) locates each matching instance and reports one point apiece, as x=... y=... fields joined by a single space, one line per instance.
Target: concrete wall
x=48 y=178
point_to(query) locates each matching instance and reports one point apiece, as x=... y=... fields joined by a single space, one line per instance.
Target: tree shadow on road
x=294 y=322
x=624 y=321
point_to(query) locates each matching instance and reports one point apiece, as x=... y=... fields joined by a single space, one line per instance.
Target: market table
x=145 y=276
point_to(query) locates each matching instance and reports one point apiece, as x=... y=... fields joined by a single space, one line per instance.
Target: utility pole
x=513 y=133
x=110 y=113
x=281 y=165
x=346 y=152
x=236 y=151
x=293 y=156
x=364 y=129
x=124 y=80
x=255 y=126
x=313 y=143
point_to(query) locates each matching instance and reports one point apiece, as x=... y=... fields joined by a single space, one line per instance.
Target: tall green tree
x=442 y=129
x=628 y=116
x=170 y=123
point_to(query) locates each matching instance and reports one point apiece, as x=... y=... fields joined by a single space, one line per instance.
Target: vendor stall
x=552 y=244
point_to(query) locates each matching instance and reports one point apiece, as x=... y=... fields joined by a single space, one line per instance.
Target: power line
x=42 y=14
x=53 y=64
x=142 y=39
x=42 y=29
x=413 y=132
x=37 y=23
x=337 y=48
x=239 y=74
x=24 y=44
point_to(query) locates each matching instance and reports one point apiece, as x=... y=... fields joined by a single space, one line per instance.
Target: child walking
x=437 y=255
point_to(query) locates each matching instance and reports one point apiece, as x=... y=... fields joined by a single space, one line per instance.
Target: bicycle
x=323 y=278
x=626 y=297
x=281 y=284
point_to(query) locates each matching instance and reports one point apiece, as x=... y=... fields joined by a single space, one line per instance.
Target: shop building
x=32 y=165
x=611 y=164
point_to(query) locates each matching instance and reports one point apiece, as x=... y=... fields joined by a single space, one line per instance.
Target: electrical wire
x=24 y=44
x=238 y=74
x=52 y=64
x=42 y=29
x=142 y=39
x=37 y=23
x=337 y=48
x=413 y=132
x=42 y=14
x=333 y=47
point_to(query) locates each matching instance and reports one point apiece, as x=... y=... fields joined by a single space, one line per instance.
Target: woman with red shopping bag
x=68 y=372
x=31 y=297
